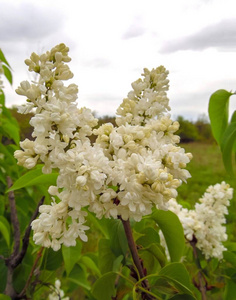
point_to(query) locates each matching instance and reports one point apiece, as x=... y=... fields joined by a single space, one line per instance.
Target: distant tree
x=204 y=129
x=187 y=131
x=23 y=121
x=106 y=119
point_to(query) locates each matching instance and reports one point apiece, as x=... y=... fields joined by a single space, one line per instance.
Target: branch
x=135 y=256
x=202 y=287
x=14 y=220
x=22 y=293
x=17 y=255
x=25 y=240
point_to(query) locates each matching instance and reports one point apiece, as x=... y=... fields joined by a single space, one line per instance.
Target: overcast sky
x=112 y=41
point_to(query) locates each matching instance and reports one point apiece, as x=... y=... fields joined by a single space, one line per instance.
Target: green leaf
x=233 y=117
x=79 y=276
x=150 y=263
x=10 y=129
x=219 y=112
x=52 y=260
x=117 y=263
x=149 y=236
x=227 y=145
x=4 y=297
x=173 y=232
x=20 y=276
x=3 y=58
x=2 y=97
x=230 y=257
x=3 y=275
x=118 y=240
x=104 y=287
x=179 y=276
x=7 y=73
x=34 y=177
x=171 y=279
x=183 y=297
x=5 y=229
x=157 y=252
x=90 y=264
x=231 y=246
x=71 y=255
x=230 y=290
x=8 y=157
x=98 y=224
x=106 y=256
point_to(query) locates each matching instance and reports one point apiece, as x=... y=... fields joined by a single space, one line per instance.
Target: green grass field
x=206 y=169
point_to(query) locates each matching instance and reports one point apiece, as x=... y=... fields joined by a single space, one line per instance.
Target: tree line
x=189 y=131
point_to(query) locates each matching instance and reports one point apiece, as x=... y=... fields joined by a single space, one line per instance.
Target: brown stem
x=10 y=261
x=25 y=241
x=135 y=256
x=17 y=254
x=14 y=219
x=9 y=289
x=202 y=284
x=31 y=272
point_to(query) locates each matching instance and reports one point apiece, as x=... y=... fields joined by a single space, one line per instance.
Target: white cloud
x=136 y=29
x=27 y=22
x=111 y=42
x=99 y=62
x=221 y=35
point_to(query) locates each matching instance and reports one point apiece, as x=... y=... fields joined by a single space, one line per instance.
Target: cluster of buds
x=204 y=225
x=130 y=168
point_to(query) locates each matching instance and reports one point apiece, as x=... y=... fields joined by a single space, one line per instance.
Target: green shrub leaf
x=173 y=232
x=4 y=231
x=183 y=297
x=7 y=73
x=2 y=97
x=219 y=112
x=227 y=145
x=34 y=177
x=148 y=236
x=106 y=256
x=104 y=287
x=10 y=129
x=79 y=276
x=157 y=252
x=230 y=290
x=3 y=58
x=71 y=255
x=118 y=240
x=230 y=257
x=178 y=274
x=90 y=264
x=52 y=259
x=4 y=297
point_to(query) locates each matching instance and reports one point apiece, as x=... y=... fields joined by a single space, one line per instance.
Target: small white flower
x=205 y=222
x=131 y=168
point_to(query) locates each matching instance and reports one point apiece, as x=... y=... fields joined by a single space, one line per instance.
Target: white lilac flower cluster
x=58 y=293
x=131 y=168
x=204 y=223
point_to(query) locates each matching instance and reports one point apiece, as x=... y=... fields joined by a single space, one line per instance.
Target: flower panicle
x=128 y=170
x=205 y=223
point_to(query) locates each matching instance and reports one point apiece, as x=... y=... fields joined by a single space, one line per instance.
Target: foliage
x=103 y=268
x=196 y=131
x=223 y=128
x=23 y=121
x=187 y=131
x=199 y=130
